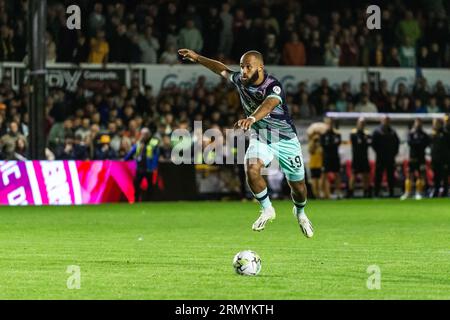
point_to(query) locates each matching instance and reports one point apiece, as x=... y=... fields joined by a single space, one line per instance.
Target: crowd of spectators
x=104 y=125
x=287 y=32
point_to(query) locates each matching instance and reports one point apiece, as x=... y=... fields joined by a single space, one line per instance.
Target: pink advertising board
x=66 y=182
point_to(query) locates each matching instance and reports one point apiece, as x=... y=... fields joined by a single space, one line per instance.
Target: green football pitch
x=184 y=250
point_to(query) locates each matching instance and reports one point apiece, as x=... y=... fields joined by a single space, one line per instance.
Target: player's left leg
x=289 y=154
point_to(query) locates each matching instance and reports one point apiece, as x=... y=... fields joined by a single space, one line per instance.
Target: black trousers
x=440 y=172
x=382 y=165
x=140 y=175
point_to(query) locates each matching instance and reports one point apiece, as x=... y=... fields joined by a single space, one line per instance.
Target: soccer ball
x=247 y=263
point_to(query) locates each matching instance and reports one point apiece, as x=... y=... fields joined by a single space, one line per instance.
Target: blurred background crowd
x=104 y=125
x=287 y=32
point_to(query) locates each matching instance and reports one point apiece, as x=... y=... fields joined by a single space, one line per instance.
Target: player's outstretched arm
x=213 y=65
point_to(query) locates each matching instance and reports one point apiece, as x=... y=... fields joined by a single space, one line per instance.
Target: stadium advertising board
x=70 y=79
x=65 y=182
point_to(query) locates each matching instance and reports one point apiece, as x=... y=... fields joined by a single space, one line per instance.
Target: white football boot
x=304 y=223
x=267 y=214
x=404 y=196
x=418 y=196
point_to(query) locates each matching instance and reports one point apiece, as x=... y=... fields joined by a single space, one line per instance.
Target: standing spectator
x=226 y=36
x=386 y=143
x=99 y=49
x=81 y=52
x=294 y=51
x=361 y=141
x=314 y=50
x=215 y=25
x=149 y=46
x=7 y=51
x=190 y=37
x=350 y=52
x=271 y=53
x=332 y=52
x=435 y=56
x=408 y=54
x=408 y=28
x=96 y=19
x=117 y=44
x=51 y=48
x=330 y=142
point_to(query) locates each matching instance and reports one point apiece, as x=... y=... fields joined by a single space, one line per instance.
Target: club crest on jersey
x=277 y=89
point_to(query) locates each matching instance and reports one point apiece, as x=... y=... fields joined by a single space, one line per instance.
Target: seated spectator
x=365 y=105
x=8 y=141
x=432 y=106
x=332 y=53
x=393 y=59
x=169 y=56
x=419 y=107
x=165 y=149
x=294 y=51
x=20 y=152
x=104 y=150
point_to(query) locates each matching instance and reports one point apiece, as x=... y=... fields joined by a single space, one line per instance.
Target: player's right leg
x=257 y=157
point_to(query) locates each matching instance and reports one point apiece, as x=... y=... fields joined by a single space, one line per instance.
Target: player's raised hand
x=188 y=54
x=245 y=123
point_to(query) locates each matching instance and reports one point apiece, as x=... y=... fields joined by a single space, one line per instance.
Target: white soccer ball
x=247 y=263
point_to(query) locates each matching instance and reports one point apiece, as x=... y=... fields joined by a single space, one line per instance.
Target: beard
x=251 y=80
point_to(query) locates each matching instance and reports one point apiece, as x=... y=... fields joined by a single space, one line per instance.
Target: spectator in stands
x=214 y=26
x=393 y=59
x=149 y=46
x=9 y=140
x=419 y=107
x=408 y=29
x=294 y=51
x=169 y=56
x=365 y=105
x=407 y=54
x=20 y=151
x=81 y=52
x=350 y=51
x=7 y=50
x=432 y=107
x=423 y=59
x=165 y=149
x=51 y=48
x=190 y=37
x=96 y=19
x=99 y=52
x=385 y=143
x=118 y=41
x=314 y=50
x=226 y=36
x=332 y=53
x=104 y=150
x=271 y=53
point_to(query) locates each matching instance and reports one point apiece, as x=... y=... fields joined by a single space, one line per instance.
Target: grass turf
x=183 y=250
